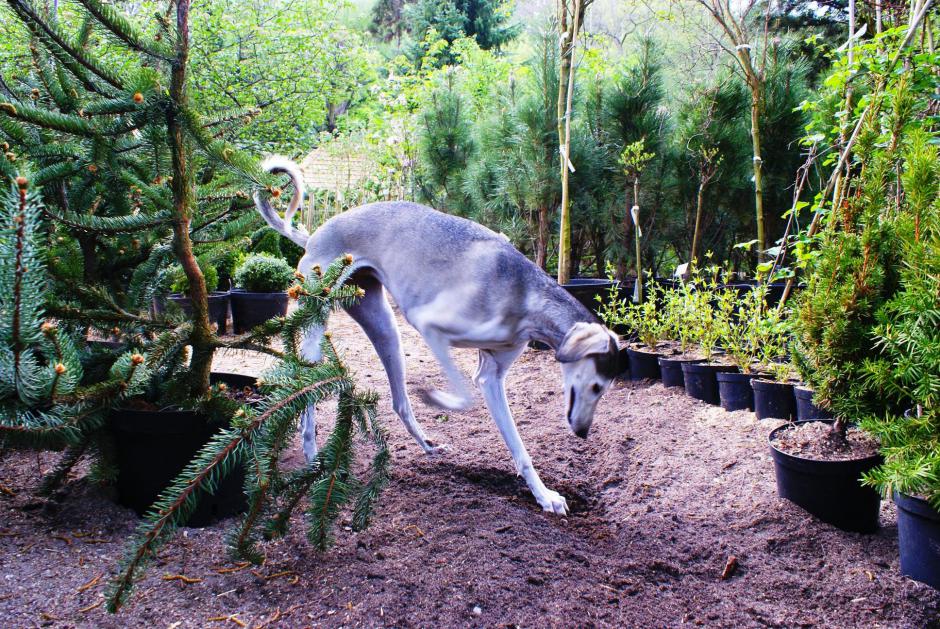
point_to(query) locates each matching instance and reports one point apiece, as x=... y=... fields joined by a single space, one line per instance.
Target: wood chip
x=6 y=490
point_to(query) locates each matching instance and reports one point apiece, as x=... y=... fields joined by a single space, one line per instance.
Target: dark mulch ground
x=663 y=492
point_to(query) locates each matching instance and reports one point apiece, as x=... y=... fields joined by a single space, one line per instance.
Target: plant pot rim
x=589 y=281
x=766 y=380
x=707 y=366
x=737 y=375
x=863 y=463
x=678 y=358
x=648 y=351
x=915 y=505
x=214 y=293
x=242 y=291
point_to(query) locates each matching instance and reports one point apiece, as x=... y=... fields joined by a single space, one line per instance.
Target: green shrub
x=905 y=370
x=264 y=274
x=225 y=259
x=179 y=283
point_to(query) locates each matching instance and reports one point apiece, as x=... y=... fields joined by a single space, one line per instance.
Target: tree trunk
x=541 y=244
x=638 y=291
x=201 y=336
x=697 y=233
x=758 y=162
x=565 y=94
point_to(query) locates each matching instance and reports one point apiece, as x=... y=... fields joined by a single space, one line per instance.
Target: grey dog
x=460 y=285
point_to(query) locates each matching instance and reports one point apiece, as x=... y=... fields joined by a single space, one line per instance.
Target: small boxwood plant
x=261 y=273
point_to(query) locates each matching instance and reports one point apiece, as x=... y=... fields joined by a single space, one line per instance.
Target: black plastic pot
x=253 y=309
x=643 y=365
x=153 y=447
x=671 y=370
x=218 y=307
x=773 y=399
x=805 y=409
x=830 y=490
x=701 y=380
x=587 y=289
x=919 y=539
x=735 y=392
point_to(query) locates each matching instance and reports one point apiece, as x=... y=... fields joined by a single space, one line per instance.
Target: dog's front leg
x=491 y=380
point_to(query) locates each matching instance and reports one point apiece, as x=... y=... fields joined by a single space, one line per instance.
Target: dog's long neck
x=554 y=315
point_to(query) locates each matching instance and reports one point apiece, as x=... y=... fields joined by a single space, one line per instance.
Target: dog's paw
x=553 y=502
x=436 y=449
x=445 y=400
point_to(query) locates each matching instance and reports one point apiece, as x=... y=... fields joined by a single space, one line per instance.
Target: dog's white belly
x=443 y=316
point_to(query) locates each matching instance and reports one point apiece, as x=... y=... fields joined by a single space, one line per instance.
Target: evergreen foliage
x=870 y=230
x=483 y=20
x=130 y=179
x=264 y=274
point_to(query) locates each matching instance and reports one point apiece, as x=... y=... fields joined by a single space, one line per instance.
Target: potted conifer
x=261 y=282
x=906 y=372
x=259 y=294
x=94 y=101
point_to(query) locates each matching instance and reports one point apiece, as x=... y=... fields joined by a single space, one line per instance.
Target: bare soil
x=665 y=490
x=814 y=440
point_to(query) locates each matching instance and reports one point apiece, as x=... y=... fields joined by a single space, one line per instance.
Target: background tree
x=570 y=20
x=486 y=21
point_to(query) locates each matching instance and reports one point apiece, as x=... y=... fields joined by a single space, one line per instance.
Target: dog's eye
x=596 y=388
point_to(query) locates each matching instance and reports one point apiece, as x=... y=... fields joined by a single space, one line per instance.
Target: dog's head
x=589 y=361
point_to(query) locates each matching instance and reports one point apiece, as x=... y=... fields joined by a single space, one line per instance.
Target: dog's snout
x=583 y=432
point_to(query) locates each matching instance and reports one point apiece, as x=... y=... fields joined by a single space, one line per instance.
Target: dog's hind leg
x=374 y=315
x=491 y=377
x=460 y=399
x=310 y=350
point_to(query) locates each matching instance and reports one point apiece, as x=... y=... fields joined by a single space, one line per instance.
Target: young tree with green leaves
x=570 y=20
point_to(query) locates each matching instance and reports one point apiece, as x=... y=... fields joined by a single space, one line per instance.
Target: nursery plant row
x=735 y=344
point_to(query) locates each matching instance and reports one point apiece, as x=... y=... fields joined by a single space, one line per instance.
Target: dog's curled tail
x=285 y=226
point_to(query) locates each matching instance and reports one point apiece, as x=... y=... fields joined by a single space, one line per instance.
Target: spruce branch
x=51 y=31
x=226 y=449
x=122 y=29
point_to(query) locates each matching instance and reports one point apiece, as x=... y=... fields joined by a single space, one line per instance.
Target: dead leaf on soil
x=90 y=583
x=238 y=567
x=230 y=618
x=731 y=567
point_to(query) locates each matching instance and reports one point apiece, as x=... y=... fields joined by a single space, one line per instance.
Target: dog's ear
x=584 y=339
